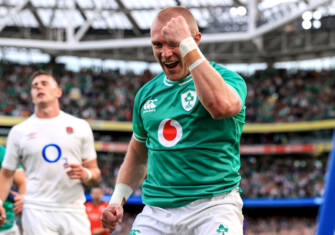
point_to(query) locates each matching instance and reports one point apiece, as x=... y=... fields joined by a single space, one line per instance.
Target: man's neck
x=47 y=112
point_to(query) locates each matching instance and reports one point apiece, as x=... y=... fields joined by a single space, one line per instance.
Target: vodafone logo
x=169 y=132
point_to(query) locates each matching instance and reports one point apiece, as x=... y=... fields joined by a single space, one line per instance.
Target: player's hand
x=112 y=216
x=2 y=215
x=18 y=202
x=76 y=171
x=176 y=30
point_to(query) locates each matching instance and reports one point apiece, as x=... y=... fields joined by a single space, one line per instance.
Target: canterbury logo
x=149 y=106
x=169 y=132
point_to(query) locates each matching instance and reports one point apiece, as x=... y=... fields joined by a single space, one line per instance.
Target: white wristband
x=196 y=63
x=1 y=202
x=89 y=175
x=121 y=193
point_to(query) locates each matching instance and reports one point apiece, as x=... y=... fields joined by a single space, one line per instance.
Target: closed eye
x=157 y=44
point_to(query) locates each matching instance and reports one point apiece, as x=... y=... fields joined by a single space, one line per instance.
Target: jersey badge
x=188 y=99
x=149 y=106
x=69 y=130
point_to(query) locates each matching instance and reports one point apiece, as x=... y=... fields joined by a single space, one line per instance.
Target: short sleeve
x=12 y=156
x=139 y=132
x=88 y=149
x=2 y=154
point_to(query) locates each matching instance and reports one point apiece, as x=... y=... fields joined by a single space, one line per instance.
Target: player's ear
x=59 y=92
x=197 y=37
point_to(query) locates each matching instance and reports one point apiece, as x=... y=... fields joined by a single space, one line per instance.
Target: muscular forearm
x=130 y=174
x=92 y=176
x=219 y=99
x=134 y=168
x=6 y=178
x=20 y=181
x=95 y=175
x=215 y=94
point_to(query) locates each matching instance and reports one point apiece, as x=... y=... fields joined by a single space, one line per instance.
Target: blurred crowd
x=262 y=176
x=104 y=95
x=280 y=225
x=273 y=96
x=283 y=176
x=279 y=96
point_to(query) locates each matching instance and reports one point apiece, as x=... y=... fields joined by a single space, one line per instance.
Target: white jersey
x=43 y=146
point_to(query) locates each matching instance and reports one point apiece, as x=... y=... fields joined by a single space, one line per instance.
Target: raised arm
x=219 y=99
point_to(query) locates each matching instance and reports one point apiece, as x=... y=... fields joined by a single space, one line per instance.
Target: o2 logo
x=52 y=153
x=169 y=132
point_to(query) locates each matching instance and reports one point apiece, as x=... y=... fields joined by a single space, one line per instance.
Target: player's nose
x=166 y=51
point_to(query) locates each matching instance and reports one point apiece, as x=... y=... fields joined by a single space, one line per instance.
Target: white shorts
x=219 y=215
x=46 y=222
x=12 y=231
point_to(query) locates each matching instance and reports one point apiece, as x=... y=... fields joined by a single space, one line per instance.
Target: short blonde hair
x=167 y=13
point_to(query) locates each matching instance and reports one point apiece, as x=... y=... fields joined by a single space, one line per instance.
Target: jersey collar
x=168 y=82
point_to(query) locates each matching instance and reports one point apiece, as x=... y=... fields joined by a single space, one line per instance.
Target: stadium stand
x=290 y=113
x=273 y=96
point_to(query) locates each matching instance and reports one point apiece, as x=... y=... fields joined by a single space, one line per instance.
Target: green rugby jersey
x=9 y=203
x=190 y=155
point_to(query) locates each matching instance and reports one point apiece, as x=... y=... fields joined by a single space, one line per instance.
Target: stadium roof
x=233 y=30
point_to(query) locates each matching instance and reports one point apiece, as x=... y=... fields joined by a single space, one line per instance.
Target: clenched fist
x=175 y=30
x=112 y=216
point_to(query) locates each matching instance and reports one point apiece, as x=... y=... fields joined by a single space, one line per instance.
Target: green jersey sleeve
x=234 y=80
x=2 y=154
x=139 y=132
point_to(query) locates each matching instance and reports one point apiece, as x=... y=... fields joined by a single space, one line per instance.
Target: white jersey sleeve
x=88 y=149
x=12 y=156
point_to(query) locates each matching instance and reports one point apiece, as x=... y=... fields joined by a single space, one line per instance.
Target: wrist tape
x=89 y=175
x=186 y=45
x=121 y=193
x=196 y=63
x=190 y=52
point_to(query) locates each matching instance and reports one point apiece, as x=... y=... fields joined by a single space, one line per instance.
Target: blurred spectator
x=94 y=211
